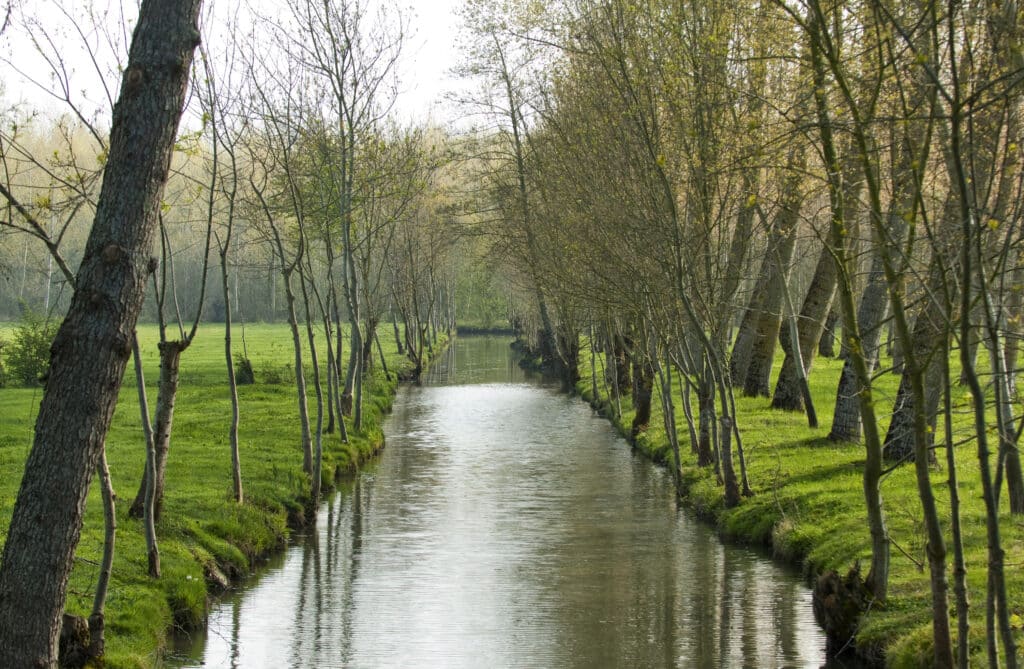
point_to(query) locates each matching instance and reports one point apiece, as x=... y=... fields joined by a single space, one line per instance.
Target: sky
x=430 y=55
x=424 y=71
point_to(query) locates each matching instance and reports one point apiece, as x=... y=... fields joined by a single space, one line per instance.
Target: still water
x=506 y=526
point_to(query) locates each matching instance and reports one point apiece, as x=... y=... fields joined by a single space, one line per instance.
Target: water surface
x=506 y=526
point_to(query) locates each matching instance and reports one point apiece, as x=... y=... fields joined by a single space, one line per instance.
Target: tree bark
x=167 y=392
x=91 y=349
x=827 y=343
x=149 y=473
x=817 y=305
x=846 y=419
x=643 y=387
x=780 y=249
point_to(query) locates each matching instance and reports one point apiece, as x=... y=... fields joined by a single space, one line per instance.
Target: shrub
x=244 y=375
x=28 y=353
x=3 y=374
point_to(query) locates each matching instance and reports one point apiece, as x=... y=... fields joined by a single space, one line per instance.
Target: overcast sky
x=425 y=76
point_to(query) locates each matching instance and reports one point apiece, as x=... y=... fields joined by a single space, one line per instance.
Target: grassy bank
x=809 y=509
x=203 y=534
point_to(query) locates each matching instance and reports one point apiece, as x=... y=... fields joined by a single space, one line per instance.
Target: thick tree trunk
x=91 y=349
x=817 y=305
x=707 y=418
x=762 y=353
x=928 y=341
x=369 y=335
x=827 y=343
x=643 y=386
x=846 y=419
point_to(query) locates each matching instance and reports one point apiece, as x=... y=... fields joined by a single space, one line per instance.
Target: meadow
x=205 y=538
x=808 y=505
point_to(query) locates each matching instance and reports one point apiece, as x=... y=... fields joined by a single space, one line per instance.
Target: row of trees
x=695 y=184
x=289 y=168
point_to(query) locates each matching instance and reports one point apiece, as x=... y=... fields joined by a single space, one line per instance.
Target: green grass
x=809 y=507
x=201 y=529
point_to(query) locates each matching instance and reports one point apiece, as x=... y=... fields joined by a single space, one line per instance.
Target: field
x=809 y=508
x=203 y=534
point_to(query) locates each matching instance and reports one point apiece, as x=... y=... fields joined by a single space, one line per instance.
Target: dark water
x=506 y=526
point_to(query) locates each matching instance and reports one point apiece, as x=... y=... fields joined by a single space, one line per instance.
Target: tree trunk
x=926 y=343
x=300 y=375
x=877 y=581
x=398 y=337
x=816 y=308
x=643 y=386
x=314 y=474
x=236 y=465
x=149 y=474
x=732 y=488
x=91 y=349
x=707 y=417
x=97 y=626
x=167 y=391
x=766 y=335
x=963 y=652
x=827 y=343
x=846 y=420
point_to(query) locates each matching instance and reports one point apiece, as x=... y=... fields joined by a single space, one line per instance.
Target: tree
x=92 y=346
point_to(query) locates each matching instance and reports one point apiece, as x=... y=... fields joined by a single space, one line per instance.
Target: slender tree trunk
x=167 y=392
x=732 y=489
x=963 y=648
x=398 y=337
x=91 y=349
x=97 y=626
x=877 y=580
x=300 y=375
x=149 y=474
x=315 y=471
x=229 y=357
x=685 y=392
x=668 y=412
x=380 y=353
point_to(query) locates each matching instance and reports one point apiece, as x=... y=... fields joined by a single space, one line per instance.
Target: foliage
x=244 y=374
x=28 y=353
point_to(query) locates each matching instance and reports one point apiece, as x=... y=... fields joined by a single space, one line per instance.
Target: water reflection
x=504 y=525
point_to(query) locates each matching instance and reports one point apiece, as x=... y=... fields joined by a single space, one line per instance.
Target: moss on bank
x=204 y=536
x=808 y=508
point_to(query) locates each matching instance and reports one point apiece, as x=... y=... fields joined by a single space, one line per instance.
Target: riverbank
x=808 y=509
x=206 y=540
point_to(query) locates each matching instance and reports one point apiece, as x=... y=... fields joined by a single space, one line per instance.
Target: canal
x=507 y=526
